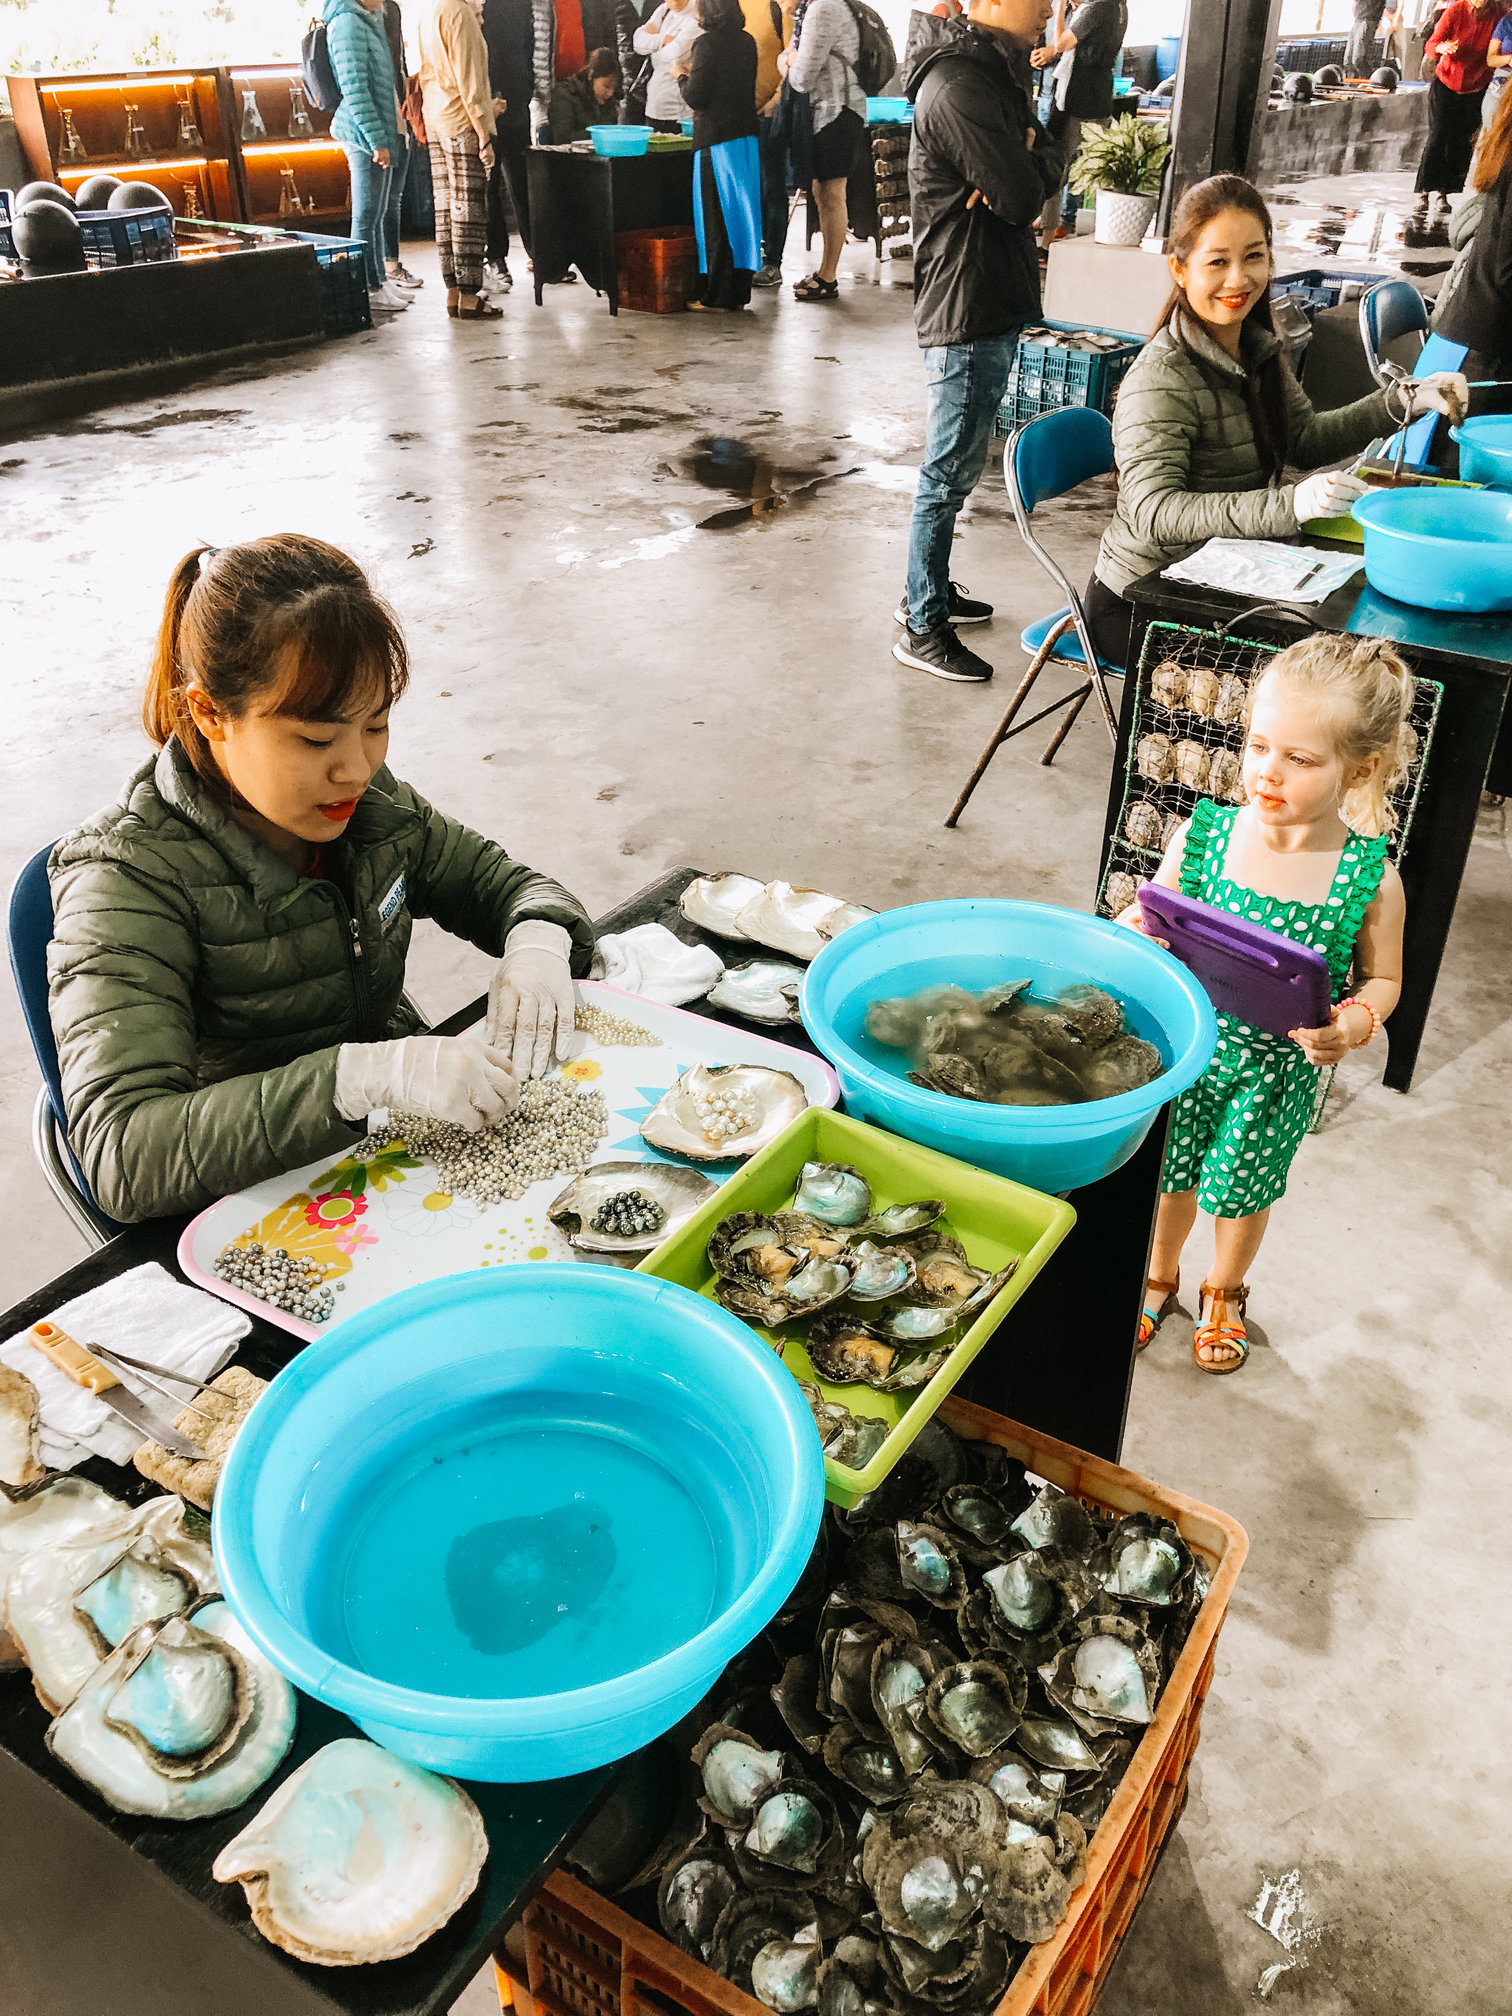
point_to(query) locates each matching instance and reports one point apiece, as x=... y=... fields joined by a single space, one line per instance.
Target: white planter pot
x=1122 y=220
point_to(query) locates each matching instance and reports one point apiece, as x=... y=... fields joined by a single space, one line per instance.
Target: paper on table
x=1266 y=568
x=146 y=1314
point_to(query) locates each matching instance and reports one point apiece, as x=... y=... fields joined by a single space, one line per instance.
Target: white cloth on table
x=146 y=1314
x=649 y=960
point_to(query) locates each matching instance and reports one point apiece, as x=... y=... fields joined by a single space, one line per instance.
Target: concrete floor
x=609 y=687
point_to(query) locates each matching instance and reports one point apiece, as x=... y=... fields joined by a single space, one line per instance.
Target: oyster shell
x=842 y=918
x=766 y=1251
x=1055 y=1519
x=794 y=1826
x=1202 y=690
x=975 y=1707
x=812 y=1286
x=184 y=1719
x=746 y=1925
x=1029 y=1795
x=691 y=1897
x=1061 y=1745
x=43 y=1515
x=1233 y=695
x=716 y=1113
x=978 y=1512
x=1168 y=682
x=713 y=902
x=785 y=1972
x=930 y=1862
x=796 y=1698
x=900 y=1676
x=1189 y=761
x=881 y=1272
x=737 y=1773
x=1109 y=1676
x=848 y=1353
x=789 y=919
x=1154 y=758
x=945 y=1277
x=927 y=1564
x=1031 y=1896
x=898 y=1221
x=872 y=1769
x=358 y=1856
x=20 y=1425
x=1146 y=1559
x=677 y=1192
x=1121 y=1066
x=762 y=990
x=1119 y=891
x=833 y=1191
x=67 y=1607
x=1226 y=775
x=1142 y=824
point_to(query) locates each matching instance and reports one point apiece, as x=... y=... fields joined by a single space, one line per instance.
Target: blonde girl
x=1304 y=855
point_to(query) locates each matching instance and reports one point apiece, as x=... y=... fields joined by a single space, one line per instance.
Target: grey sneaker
x=400 y=276
x=941 y=653
x=769 y=276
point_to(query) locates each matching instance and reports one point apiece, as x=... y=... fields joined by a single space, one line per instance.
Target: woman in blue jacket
x=366 y=124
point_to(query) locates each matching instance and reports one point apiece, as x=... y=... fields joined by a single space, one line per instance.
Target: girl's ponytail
x=164 y=711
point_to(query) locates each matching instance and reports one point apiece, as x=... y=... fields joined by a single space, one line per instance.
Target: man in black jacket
x=509 y=31
x=979 y=170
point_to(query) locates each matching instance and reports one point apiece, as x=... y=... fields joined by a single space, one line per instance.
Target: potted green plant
x=1122 y=161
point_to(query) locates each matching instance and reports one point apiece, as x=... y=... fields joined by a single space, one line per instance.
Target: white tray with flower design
x=380 y=1223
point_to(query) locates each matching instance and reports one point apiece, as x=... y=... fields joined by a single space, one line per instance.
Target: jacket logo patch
x=391 y=905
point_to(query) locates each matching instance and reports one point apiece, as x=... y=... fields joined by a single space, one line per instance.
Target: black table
x=1471 y=657
x=105 y=1913
x=579 y=201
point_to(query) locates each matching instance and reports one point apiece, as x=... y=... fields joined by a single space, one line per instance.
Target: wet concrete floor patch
x=762 y=483
x=194 y=416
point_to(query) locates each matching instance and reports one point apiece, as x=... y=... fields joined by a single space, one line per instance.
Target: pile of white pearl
x=606 y=1028
x=553 y=1131
x=275 y=1275
x=723 y=1114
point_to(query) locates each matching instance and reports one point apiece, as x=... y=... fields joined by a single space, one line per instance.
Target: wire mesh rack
x=1186 y=742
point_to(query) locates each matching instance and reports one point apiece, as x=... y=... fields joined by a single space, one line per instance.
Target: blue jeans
x=370 y=187
x=398 y=176
x=771 y=138
x=966 y=386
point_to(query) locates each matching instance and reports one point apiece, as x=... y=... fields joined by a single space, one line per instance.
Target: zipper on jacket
x=357 y=961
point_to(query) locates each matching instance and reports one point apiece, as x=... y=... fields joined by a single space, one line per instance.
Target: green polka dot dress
x=1234 y=1133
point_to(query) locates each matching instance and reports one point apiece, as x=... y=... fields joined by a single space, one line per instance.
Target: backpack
x=320 y=85
x=877 y=58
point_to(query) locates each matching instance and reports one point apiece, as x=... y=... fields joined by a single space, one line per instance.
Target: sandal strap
x=1152 y=1286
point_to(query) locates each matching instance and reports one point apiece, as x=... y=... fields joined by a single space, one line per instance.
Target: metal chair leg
x=1079 y=700
x=59 y=1177
x=1005 y=726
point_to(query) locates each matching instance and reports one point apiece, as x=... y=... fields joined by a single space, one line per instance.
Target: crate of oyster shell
x=1187 y=743
x=585 y=1956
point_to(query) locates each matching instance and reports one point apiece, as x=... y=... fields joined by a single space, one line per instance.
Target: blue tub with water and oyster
x=515 y=1524
x=980 y=942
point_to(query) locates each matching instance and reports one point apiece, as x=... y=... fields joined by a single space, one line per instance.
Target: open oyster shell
x=847 y=1352
x=881 y=1271
x=719 y=1113
x=973 y=1709
x=789 y=919
x=833 y=1191
x=762 y=990
x=358 y=1856
x=793 y=1839
x=767 y=1249
x=49 y=1513
x=691 y=1897
x=737 y=1774
x=714 y=902
x=678 y=1192
x=20 y=1425
x=183 y=1720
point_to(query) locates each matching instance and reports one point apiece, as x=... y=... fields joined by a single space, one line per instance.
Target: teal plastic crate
x=995 y=1220
x=1045 y=378
x=343 y=269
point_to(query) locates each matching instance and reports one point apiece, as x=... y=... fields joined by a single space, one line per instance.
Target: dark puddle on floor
x=1374 y=234
x=195 y=416
x=764 y=485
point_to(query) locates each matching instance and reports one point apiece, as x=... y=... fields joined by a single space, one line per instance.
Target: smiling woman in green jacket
x=227 y=963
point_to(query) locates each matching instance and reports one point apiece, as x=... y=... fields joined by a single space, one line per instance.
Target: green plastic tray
x=993 y=1219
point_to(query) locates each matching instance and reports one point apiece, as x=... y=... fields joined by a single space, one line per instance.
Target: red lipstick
x=339 y=813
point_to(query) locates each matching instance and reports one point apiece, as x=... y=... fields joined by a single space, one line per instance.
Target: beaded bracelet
x=1354 y=1001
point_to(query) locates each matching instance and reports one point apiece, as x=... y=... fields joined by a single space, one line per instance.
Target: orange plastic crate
x=656 y=270
x=586 y=1957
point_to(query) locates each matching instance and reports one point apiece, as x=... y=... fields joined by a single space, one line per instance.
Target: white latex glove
x=455 y=1078
x=1446 y=392
x=531 y=1005
x=1328 y=494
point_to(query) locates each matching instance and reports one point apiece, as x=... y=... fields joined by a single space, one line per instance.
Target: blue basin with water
x=1485 y=449
x=979 y=942
x=1439 y=549
x=515 y=1524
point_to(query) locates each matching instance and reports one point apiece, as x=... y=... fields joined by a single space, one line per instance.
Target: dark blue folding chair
x=1045 y=458
x=29 y=928
x=1387 y=313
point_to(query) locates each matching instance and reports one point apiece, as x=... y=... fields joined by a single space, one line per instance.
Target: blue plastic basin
x=1485 y=450
x=979 y=942
x=1439 y=549
x=514 y=1524
x=687 y=128
x=620 y=140
x=889 y=111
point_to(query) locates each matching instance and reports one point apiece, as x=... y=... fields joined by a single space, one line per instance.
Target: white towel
x=651 y=962
x=146 y=1314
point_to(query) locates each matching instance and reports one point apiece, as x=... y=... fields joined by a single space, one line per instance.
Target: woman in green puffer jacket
x=229 y=938
x=1209 y=417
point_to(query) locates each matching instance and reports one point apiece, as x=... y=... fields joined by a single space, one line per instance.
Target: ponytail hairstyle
x=285 y=625
x=1363 y=692
x=1265 y=386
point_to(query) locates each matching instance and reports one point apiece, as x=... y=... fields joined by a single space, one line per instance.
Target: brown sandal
x=1223 y=1328
x=1149 y=1324
x=483 y=312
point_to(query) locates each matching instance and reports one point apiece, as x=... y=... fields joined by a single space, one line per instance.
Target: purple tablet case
x=1265 y=979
